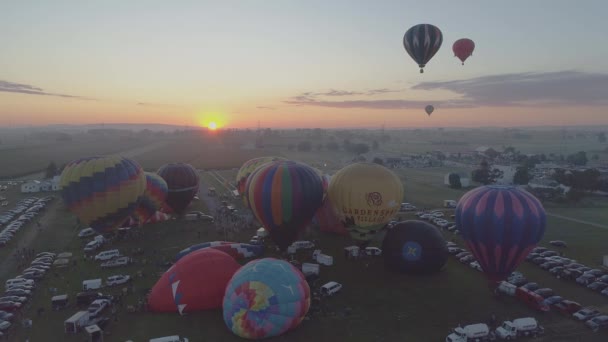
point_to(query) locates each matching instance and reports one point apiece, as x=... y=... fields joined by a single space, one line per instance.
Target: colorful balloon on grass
x=102 y=191
x=414 y=247
x=196 y=282
x=284 y=196
x=422 y=43
x=182 y=183
x=265 y=298
x=500 y=226
x=153 y=199
x=366 y=197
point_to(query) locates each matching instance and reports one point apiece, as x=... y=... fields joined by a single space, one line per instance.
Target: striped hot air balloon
x=102 y=191
x=500 y=226
x=422 y=43
x=284 y=196
x=265 y=298
x=182 y=182
x=153 y=199
x=246 y=170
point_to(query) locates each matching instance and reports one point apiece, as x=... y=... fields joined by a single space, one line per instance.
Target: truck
x=521 y=327
x=474 y=332
x=325 y=259
x=75 y=323
x=310 y=268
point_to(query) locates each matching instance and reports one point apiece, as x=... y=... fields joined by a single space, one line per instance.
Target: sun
x=212 y=126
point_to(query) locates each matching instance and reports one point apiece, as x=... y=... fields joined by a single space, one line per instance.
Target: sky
x=287 y=63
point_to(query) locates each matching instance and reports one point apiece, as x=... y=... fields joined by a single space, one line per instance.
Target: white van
x=86 y=232
x=303 y=244
x=91 y=284
x=107 y=255
x=330 y=288
x=174 y=338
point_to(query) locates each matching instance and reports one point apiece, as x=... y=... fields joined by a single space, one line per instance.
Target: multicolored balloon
x=284 y=196
x=463 y=49
x=236 y=250
x=182 y=182
x=265 y=298
x=196 y=282
x=429 y=110
x=247 y=169
x=500 y=226
x=422 y=43
x=153 y=199
x=366 y=196
x=414 y=247
x=102 y=191
x=328 y=219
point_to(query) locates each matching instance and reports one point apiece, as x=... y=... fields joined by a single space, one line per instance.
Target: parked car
x=553 y=300
x=556 y=270
x=18 y=292
x=575 y=265
x=548 y=253
x=549 y=265
x=605 y=292
x=585 y=279
x=97 y=307
x=570 y=274
x=597 y=286
x=467 y=259
x=117 y=280
x=586 y=313
x=6 y=316
x=13 y=299
x=531 y=286
x=598 y=322
x=462 y=254
x=86 y=232
x=518 y=281
x=10 y=306
x=532 y=256
x=539 y=260
x=4 y=325
x=558 y=243
x=118 y=262
x=373 y=251
x=544 y=292
x=595 y=272
x=455 y=250
x=603 y=279
x=567 y=307
x=539 y=250
x=476 y=266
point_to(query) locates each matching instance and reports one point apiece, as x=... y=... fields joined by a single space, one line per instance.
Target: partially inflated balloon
x=366 y=197
x=182 y=182
x=284 y=196
x=153 y=199
x=196 y=282
x=247 y=169
x=422 y=43
x=429 y=109
x=463 y=49
x=414 y=247
x=236 y=250
x=265 y=298
x=500 y=226
x=102 y=191
x=328 y=219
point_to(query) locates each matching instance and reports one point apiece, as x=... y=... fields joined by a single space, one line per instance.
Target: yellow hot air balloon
x=366 y=196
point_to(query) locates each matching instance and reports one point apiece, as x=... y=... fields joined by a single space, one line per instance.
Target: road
x=578 y=221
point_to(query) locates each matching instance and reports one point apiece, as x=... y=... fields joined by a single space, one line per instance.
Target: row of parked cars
x=25 y=211
x=565 y=268
x=18 y=290
x=438 y=218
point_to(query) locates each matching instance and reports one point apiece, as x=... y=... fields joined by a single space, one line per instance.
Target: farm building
x=30 y=186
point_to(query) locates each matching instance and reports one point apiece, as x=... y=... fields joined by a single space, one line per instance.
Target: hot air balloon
x=246 y=170
x=182 y=182
x=153 y=199
x=422 y=43
x=500 y=226
x=265 y=298
x=328 y=219
x=236 y=250
x=429 y=109
x=196 y=282
x=366 y=197
x=284 y=196
x=414 y=247
x=463 y=49
x=102 y=191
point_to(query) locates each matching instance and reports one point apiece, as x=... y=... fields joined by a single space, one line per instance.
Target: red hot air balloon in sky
x=463 y=49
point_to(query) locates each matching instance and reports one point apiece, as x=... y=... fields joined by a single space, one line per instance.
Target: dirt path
x=8 y=266
x=578 y=221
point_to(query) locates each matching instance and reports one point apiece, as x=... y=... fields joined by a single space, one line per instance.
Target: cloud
x=10 y=87
x=149 y=104
x=265 y=107
x=563 y=88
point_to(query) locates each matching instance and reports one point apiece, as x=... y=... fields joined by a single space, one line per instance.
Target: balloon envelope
x=284 y=196
x=182 y=183
x=247 y=169
x=415 y=247
x=196 y=282
x=102 y=191
x=366 y=197
x=463 y=49
x=422 y=43
x=265 y=298
x=236 y=250
x=153 y=199
x=500 y=226
x=429 y=109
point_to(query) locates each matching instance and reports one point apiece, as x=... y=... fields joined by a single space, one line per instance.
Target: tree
x=360 y=148
x=484 y=175
x=378 y=161
x=375 y=145
x=579 y=158
x=601 y=137
x=51 y=170
x=305 y=146
x=522 y=176
x=332 y=146
x=454 y=180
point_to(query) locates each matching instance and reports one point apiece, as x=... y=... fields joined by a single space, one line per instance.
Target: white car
x=373 y=251
x=122 y=261
x=476 y=266
x=86 y=232
x=4 y=325
x=98 y=306
x=92 y=246
x=117 y=280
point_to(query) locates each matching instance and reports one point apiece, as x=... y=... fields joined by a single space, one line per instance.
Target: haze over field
x=292 y=64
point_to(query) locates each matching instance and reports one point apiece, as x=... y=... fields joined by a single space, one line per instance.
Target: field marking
x=578 y=221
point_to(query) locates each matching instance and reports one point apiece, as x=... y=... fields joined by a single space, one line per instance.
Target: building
x=508 y=174
x=465 y=181
x=30 y=186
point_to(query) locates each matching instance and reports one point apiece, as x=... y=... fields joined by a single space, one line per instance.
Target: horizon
x=291 y=65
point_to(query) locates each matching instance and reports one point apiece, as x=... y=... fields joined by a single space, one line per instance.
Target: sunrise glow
x=212 y=126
